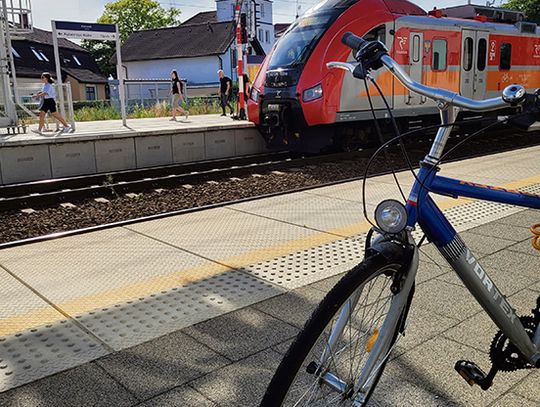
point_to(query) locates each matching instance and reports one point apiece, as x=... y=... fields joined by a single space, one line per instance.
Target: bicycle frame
x=422 y=210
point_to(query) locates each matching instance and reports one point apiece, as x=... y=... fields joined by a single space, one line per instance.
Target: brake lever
x=346 y=66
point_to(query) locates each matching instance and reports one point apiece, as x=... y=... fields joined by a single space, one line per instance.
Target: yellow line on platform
x=144 y=288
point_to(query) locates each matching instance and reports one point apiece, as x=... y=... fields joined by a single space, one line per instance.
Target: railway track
x=228 y=184
x=52 y=192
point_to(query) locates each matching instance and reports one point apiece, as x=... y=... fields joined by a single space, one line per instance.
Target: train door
x=473 y=63
x=415 y=65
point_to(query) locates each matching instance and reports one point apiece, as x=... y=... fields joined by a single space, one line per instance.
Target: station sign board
x=85 y=31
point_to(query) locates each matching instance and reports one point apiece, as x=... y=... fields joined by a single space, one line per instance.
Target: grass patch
x=105 y=111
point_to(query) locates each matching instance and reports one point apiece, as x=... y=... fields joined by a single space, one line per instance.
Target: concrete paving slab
x=445 y=299
x=213 y=234
x=431 y=367
x=508 y=281
x=310 y=211
x=152 y=368
x=183 y=396
x=528 y=387
x=525 y=218
x=499 y=229
x=485 y=244
x=241 y=333
x=524 y=247
x=87 y=385
x=390 y=393
x=478 y=331
x=303 y=301
x=525 y=264
x=114 y=128
x=422 y=325
x=514 y=400
x=242 y=383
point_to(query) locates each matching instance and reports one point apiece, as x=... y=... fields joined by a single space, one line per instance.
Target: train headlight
x=255 y=94
x=313 y=93
x=391 y=216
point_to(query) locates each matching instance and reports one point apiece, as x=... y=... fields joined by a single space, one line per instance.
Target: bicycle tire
x=330 y=306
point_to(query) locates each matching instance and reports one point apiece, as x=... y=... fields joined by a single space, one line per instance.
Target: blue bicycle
x=339 y=356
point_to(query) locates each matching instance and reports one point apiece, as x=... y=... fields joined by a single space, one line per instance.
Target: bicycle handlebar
x=353 y=41
x=373 y=54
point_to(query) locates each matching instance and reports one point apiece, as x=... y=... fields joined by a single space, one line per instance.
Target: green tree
x=131 y=16
x=531 y=8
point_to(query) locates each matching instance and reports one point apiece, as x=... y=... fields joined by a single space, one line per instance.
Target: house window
x=482 y=54
x=36 y=54
x=90 y=92
x=438 y=62
x=267 y=36
x=262 y=10
x=43 y=56
x=15 y=53
x=506 y=56
x=77 y=60
x=261 y=39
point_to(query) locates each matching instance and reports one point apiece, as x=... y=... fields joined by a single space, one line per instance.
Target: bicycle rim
x=348 y=357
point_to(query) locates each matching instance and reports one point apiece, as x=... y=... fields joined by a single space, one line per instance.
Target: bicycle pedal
x=472 y=374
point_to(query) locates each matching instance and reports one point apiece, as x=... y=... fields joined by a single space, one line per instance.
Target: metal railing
x=29 y=107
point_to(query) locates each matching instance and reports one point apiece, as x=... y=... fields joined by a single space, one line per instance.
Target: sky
x=44 y=11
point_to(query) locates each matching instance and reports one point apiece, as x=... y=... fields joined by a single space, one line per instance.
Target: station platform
x=106 y=146
x=197 y=309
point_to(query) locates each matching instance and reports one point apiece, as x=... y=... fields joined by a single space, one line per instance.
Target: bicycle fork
x=379 y=351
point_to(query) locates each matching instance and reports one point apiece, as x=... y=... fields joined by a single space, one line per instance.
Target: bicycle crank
x=504 y=355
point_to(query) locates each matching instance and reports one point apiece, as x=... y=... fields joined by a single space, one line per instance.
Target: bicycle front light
x=391 y=216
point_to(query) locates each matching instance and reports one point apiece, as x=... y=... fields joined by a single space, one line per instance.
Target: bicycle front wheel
x=329 y=363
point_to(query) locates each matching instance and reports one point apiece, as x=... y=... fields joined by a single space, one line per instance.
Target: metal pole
x=120 y=74
x=5 y=53
x=240 y=61
x=58 y=70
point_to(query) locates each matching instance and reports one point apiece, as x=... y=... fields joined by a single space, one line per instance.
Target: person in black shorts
x=225 y=92
x=177 y=91
x=48 y=104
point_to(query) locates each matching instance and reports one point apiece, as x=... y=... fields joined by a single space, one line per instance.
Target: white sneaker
x=37 y=132
x=172 y=119
x=67 y=130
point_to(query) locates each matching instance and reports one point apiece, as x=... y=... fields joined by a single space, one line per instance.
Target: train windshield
x=296 y=44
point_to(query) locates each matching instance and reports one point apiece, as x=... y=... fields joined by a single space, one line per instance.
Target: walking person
x=225 y=92
x=177 y=91
x=48 y=104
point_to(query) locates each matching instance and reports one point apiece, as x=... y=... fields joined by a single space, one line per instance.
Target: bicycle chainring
x=503 y=354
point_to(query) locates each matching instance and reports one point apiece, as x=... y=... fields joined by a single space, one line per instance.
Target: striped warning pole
x=240 y=61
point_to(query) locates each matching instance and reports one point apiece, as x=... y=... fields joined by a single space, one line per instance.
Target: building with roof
x=197 y=48
x=34 y=54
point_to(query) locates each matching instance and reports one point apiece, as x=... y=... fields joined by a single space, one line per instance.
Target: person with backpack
x=48 y=104
x=177 y=91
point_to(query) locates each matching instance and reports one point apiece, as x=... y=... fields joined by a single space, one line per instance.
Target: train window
x=468 y=54
x=506 y=56
x=482 y=54
x=377 y=34
x=416 y=48
x=438 y=62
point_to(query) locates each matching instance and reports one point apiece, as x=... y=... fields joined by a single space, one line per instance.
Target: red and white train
x=474 y=50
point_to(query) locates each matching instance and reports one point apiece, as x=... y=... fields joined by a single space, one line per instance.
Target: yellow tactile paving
x=146 y=285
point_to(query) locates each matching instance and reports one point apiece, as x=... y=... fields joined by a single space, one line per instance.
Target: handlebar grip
x=353 y=41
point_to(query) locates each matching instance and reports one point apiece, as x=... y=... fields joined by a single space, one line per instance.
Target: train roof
x=456 y=24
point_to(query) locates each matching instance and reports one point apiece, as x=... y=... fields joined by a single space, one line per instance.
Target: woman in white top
x=48 y=104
